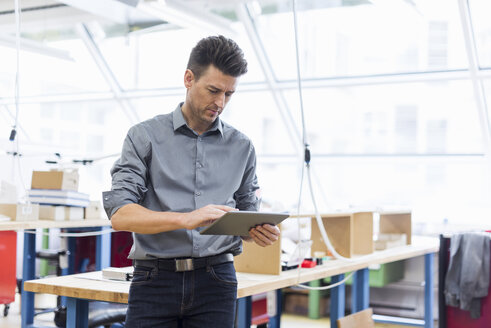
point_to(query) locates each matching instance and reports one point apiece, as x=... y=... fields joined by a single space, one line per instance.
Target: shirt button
x=199 y=165
x=199 y=139
x=196 y=247
x=198 y=193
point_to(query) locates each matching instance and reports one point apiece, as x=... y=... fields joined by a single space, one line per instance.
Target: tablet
x=238 y=223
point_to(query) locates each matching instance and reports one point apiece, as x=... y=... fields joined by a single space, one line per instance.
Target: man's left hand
x=264 y=235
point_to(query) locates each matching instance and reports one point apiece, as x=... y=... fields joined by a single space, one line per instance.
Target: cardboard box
x=390 y=240
x=64 y=180
x=20 y=212
x=94 y=210
x=350 y=233
x=396 y=222
x=257 y=259
x=50 y=212
x=60 y=213
x=298 y=303
x=74 y=213
x=362 y=319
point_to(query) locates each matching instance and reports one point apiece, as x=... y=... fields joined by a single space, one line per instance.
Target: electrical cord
x=13 y=134
x=329 y=286
x=306 y=160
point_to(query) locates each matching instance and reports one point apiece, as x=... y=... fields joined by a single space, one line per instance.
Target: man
x=177 y=173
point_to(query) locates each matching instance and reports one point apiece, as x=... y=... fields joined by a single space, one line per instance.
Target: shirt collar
x=178 y=121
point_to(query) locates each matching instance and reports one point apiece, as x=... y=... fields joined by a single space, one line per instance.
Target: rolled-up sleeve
x=245 y=196
x=129 y=172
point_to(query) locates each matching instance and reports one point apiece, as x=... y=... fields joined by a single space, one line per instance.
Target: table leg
x=43 y=264
x=337 y=300
x=274 y=320
x=77 y=313
x=244 y=312
x=28 y=271
x=314 y=300
x=360 y=291
x=103 y=250
x=429 y=290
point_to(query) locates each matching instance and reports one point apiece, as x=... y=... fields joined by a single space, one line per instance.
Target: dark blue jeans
x=200 y=298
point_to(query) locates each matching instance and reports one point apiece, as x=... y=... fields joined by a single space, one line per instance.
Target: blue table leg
x=103 y=251
x=28 y=272
x=429 y=290
x=244 y=312
x=77 y=313
x=337 y=300
x=360 y=291
x=274 y=321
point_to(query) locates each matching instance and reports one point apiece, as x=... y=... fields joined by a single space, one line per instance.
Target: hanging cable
x=307 y=155
x=299 y=82
x=306 y=164
x=329 y=286
x=13 y=133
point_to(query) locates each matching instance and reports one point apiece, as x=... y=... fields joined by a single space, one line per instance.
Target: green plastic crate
x=386 y=274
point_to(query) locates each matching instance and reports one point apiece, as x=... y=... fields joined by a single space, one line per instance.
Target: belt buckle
x=184 y=265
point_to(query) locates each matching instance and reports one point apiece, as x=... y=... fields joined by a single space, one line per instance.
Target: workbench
x=29 y=254
x=80 y=288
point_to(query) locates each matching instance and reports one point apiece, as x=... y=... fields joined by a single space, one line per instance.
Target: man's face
x=208 y=96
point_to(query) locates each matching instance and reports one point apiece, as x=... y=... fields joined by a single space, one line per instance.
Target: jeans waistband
x=185 y=264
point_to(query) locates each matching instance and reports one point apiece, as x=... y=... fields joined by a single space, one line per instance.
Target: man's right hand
x=136 y=218
x=205 y=215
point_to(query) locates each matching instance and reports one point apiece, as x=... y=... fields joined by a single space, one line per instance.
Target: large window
x=482 y=30
x=394 y=113
x=372 y=38
x=410 y=118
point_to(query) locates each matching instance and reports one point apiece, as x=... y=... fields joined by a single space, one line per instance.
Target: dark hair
x=221 y=52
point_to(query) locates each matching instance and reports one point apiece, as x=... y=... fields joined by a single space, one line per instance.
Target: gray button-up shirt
x=166 y=166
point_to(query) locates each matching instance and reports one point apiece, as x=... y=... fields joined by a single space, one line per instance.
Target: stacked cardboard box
x=57 y=194
x=20 y=212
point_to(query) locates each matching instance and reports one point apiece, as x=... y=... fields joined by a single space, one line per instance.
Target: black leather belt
x=185 y=264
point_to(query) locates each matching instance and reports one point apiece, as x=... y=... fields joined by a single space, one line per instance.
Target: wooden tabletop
x=20 y=225
x=92 y=286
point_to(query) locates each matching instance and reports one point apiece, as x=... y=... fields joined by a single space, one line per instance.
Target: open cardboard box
x=396 y=222
x=350 y=234
x=257 y=259
x=362 y=319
